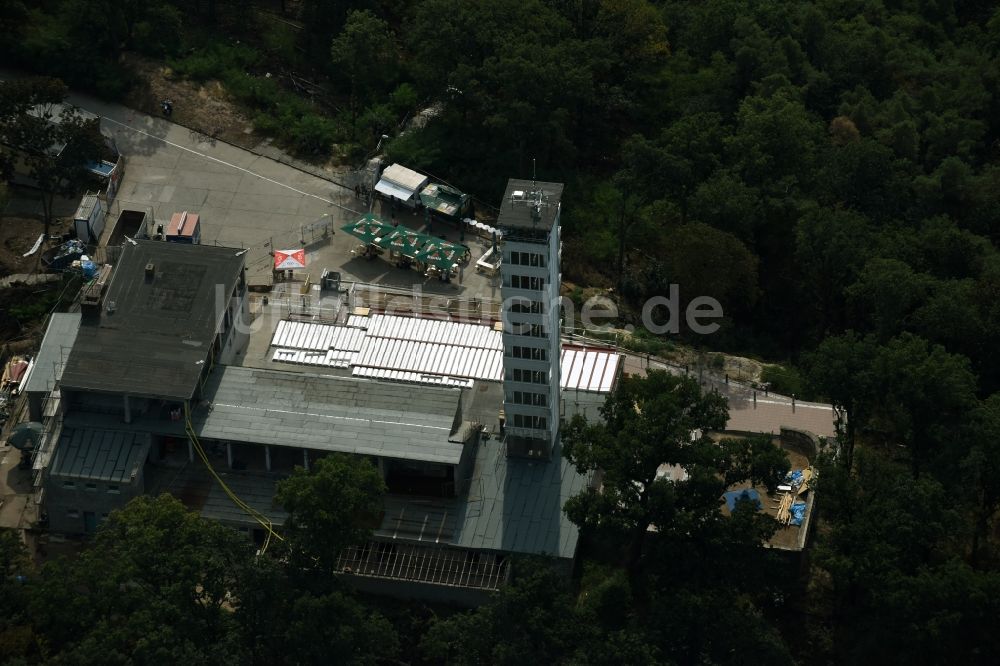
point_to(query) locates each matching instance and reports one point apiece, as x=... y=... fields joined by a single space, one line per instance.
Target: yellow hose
x=264 y=521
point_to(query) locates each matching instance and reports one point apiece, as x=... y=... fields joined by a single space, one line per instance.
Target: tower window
x=527 y=259
x=530 y=353
x=525 y=282
x=525 y=306
x=526 y=421
x=527 y=398
x=527 y=376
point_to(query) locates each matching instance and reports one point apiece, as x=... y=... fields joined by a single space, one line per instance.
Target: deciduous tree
x=364 y=54
x=153 y=588
x=335 y=504
x=648 y=422
x=54 y=146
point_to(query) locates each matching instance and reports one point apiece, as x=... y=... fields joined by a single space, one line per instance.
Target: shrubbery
x=783 y=379
x=296 y=123
x=216 y=61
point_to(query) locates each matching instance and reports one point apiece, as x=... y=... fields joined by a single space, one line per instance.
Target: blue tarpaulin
x=798 y=513
x=747 y=494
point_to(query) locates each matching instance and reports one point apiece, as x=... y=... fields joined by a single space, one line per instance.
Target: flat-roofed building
x=51 y=359
x=155 y=397
x=529 y=220
x=168 y=315
x=93 y=472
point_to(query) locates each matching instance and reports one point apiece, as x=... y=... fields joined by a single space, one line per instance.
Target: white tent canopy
x=402 y=184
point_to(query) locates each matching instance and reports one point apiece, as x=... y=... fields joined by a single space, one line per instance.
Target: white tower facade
x=530 y=274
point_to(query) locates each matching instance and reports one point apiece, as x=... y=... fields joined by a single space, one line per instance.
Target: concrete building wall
x=530 y=291
x=235 y=328
x=464 y=470
x=77 y=506
x=585 y=403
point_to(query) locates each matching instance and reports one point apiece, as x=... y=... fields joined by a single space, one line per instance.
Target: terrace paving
x=247 y=200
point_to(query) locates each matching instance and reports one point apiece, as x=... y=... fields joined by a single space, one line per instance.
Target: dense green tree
x=692 y=256
x=152 y=589
x=724 y=202
x=648 y=422
x=537 y=615
x=688 y=563
x=683 y=156
x=831 y=247
x=777 y=143
x=952 y=317
x=922 y=394
x=534 y=615
x=979 y=468
x=13 y=14
x=893 y=576
x=767 y=464
x=54 y=147
x=840 y=370
x=283 y=622
x=17 y=638
x=336 y=504
x=939 y=247
x=865 y=175
x=706 y=578
x=885 y=296
x=364 y=54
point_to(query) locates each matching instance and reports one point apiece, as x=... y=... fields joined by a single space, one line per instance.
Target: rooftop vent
x=111 y=307
x=150 y=270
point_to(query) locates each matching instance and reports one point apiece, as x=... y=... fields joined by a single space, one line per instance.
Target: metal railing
x=425 y=564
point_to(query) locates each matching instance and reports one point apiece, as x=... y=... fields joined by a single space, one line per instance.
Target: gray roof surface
x=482 y=402
x=518 y=214
x=515 y=505
x=198 y=491
x=331 y=413
x=161 y=328
x=59 y=338
x=419 y=519
x=99 y=455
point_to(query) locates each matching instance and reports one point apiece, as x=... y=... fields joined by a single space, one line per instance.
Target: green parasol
x=26 y=436
x=369 y=228
x=404 y=241
x=441 y=254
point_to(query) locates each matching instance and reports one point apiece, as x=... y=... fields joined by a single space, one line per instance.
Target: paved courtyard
x=253 y=202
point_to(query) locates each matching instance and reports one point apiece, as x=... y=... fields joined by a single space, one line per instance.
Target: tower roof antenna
x=533 y=173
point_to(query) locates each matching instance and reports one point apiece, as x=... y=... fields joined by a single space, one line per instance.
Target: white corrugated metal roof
x=444 y=349
x=588 y=369
x=330 y=358
x=317 y=337
x=424 y=357
x=357 y=321
x=479 y=336
x=411 y=377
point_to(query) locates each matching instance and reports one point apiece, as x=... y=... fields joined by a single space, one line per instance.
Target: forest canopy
x=829 y=170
